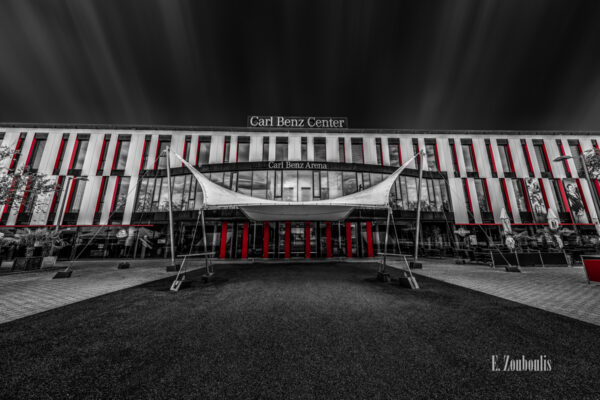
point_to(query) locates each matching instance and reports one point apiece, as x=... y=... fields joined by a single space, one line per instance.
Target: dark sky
x=476 y=64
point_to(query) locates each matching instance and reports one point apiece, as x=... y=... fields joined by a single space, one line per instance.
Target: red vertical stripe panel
x=369 y=239
x=328 y=239
x=266 y=240
x=307 y=239
x=348 y=240
x=245 y=241
x=288 y=231
x=223 y=247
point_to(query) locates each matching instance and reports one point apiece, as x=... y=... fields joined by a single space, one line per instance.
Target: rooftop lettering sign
x=279 y=121
x=296 y=165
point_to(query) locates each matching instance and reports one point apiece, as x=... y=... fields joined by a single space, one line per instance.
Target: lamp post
x=61 y=212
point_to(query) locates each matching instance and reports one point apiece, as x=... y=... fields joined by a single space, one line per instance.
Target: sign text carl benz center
x=296 y=165
x=279 y=121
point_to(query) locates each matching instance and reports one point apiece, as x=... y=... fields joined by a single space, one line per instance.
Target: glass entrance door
x=297 y=240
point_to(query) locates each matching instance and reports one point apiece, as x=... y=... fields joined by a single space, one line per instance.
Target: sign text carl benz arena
x=279 y=121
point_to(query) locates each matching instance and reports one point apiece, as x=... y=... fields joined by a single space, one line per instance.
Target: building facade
x=113 y=187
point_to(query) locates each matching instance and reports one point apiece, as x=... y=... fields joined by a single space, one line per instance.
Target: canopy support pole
x=419 y=190
x=387 y=234
x=168 y=150
x=209 y=269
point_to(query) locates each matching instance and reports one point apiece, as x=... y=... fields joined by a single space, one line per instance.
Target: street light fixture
x=62 y=206
x=61 y=213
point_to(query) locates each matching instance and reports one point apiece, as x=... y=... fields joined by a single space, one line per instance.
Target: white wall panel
x=332 y=148
x=458 y=201
x=370 y=150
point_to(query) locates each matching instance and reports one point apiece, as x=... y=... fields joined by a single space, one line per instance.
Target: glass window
x=233 y=184
x=519 y=195
x=36 y=154
x=453 y=152
x=141 y=201
x=376 y=178
x=156 y=194
x=82 y=146
x=416 y=150
x=394 y=150
x=411 y=193
x=121 y=153
x=379 y=151
x=335 y=184
x=162 y=153
x=290 y=186
x=265 y=149
x=243 y=154
x=357 y=151
x=481 y=195
x=163 y=201
x=557 y=195
x=320 y=149
x=366 y=178
x=281 y=149
x=245 y=182
x=187 y=147
x=305 y=185
x=278 y=184
x=259 y=184
x=576 y=158
x=431 y=157
x=439 y=199
x=504 y=157
x=349 y=185
x=122 y=191
x=203 y=150
x=324 y=185
x=316 y=185
x=104 y=150
x=541 y=159
x=270 y=185
x=78 y=197
x=468 y=157
x=303 y=149
x=444 y=193
x=177 y=195
x=341 y=150
x=226 y=149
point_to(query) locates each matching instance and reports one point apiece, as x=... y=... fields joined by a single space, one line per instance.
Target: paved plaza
x=24 y=294
x=559 y=290
x=564 y=291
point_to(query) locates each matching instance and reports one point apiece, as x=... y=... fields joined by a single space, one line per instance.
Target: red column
x=245 y=241
x=328 y=238
x=582 y=196
x=307 y=239
x=288 y=231
x=369 y=240
x=564 y=196
x=468 y=194
x=266 y=240
x=544 y=196
x=223 y=240
x=348 y=240
x=30 y=152
x=505 y=189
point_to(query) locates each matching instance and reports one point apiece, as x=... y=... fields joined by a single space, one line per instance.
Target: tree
x=19 y=184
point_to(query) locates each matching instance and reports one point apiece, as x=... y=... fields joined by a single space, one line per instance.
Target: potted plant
x=38 y=238
x=8 y=244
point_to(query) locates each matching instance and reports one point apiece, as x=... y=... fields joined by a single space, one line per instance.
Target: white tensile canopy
x=256 y=209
